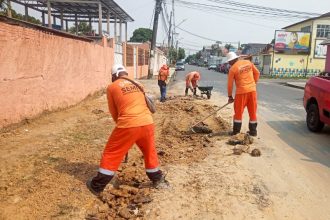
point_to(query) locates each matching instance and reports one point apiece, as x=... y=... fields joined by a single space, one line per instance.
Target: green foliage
x=141 y=35
x=181 y=53
x=83 y=29
x=16 y=15
x=173 y=54
x=228 y=46
x=191 y=58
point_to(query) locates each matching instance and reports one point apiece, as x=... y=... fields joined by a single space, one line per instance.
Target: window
x=322 y=30
x=306 y=29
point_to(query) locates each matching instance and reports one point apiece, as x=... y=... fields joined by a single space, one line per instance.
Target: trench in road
x=282 y=109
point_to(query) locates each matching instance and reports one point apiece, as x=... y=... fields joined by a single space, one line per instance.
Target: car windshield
x=179 y=64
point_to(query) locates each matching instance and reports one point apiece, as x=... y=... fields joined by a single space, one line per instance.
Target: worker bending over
x=246 y=76
x=134 y=124
x=162 y=81
x=192 y=79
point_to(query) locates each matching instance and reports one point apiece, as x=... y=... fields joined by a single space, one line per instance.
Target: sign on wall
x=292 y=41
x=320 y=51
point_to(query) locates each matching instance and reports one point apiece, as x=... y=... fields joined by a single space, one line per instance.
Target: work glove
x=230 y=99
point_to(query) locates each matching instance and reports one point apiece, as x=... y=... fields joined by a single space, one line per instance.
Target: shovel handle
x=210 y=114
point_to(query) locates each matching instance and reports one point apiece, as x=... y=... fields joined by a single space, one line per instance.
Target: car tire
x=313 y=118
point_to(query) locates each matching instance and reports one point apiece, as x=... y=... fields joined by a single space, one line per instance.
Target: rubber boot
x=253 y=129
x=236 y=128
x=186 y=92
x=97 y=184
x=158 y=180
x=195 y=91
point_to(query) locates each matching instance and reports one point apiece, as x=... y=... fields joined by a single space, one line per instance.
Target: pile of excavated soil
x=45 y=164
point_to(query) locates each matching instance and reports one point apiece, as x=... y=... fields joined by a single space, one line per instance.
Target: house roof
x=253 y=48
x=83 y=9
x=309 y=19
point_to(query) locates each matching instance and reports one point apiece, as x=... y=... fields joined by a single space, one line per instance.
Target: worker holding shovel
x=134 y=124
x=246 y=76
x=192 y=79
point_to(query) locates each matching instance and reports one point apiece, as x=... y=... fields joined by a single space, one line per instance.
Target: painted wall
x=299 y=65
x=43 y=71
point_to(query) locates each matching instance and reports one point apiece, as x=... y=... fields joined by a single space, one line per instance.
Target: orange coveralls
x=134 y=124
x=192 y=78
x=245 y=75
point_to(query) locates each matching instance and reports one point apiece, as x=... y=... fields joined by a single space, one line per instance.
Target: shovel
x=192 y=127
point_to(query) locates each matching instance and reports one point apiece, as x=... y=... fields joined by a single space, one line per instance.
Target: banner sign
x=292 y=41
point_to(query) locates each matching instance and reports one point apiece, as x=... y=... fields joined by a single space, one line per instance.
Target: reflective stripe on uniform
x=106 y=172
x=152 y=170
x=253 y=122
x=238 y=121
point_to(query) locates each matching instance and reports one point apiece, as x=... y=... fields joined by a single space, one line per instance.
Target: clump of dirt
x=243 y=139
x=256 y=152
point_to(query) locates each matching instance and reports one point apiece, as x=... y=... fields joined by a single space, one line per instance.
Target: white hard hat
x=118 y=68
x=231 y=56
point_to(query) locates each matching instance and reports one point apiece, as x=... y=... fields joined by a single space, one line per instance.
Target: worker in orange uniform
x=246 y=76
x=162 y=81
x=134 y=124
x=192 y=79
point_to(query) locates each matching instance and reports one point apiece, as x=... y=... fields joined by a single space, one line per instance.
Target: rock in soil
x=255 y=153
x=242 y=139
x=239 y=149
x=124 y=213
x=202 y=129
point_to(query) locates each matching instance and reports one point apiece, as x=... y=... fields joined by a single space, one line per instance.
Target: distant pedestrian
x=163 y=81
x=134 y=124
x=192 y=79
x=245 y=75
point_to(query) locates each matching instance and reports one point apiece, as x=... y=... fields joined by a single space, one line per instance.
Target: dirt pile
x=51 y=158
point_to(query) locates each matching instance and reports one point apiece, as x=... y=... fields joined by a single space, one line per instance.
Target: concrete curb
x=293 y=85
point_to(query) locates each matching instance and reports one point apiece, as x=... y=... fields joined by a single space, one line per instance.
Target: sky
x=224 y=27
x=220 y=26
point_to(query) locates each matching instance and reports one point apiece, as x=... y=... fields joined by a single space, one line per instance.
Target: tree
x=83 y=29
x=141 y=35
x=228 y=46
x=14 y=14
x=181 y=53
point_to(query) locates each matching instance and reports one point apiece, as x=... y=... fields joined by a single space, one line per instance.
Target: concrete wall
x=42 y=71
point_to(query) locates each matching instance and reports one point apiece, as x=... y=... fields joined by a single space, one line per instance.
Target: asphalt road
x=281 y=107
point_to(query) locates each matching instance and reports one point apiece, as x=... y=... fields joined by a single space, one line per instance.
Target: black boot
x=158 y=179
x=195 y=91
x=97 y=184
x=186 y=92
x=236 y=128
x=253 y=129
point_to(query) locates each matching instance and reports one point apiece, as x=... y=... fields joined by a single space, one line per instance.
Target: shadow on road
x=315 y=146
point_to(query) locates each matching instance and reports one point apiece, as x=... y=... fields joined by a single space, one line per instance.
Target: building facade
x=304 y=64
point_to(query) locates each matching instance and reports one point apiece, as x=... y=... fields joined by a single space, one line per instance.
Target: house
x=298 y=50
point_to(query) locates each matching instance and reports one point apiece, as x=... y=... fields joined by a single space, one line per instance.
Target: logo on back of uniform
x=127 y=87
x=245 y=69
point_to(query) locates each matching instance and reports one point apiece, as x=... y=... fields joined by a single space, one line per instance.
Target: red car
x=317 y=102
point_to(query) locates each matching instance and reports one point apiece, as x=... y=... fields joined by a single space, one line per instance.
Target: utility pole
x=158 y=9
x=169 y=40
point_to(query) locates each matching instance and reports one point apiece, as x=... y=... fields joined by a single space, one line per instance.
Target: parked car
x=179 y=66
x=317 y=102
x=212 y=67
